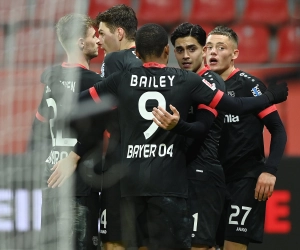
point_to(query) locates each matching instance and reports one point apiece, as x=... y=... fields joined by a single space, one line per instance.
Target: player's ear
x=167 y=49
x=121 y=33
x=80 y=43
x=235 y=54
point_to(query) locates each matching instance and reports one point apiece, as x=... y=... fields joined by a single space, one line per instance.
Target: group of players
x=178 y=172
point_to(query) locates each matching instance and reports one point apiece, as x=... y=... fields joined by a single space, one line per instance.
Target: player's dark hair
x=225 y=31
x=189 y=29
x=151 y=40
x=121 y=16
x=72 y=26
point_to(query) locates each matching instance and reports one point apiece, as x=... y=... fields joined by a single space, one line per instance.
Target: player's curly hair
x=151 y=39
x=189 y=29
x=121 y=16
x=225 y=31
x=72 y=26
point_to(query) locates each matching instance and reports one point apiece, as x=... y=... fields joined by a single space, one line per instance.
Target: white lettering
x=171 y=78
x=133 y=81
x=149 y=150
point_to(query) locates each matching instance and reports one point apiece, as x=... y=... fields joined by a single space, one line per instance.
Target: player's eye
x=179 y=50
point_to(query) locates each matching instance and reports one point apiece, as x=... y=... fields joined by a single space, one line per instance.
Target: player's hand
x=62 y=170
x=277 y=92
x=164 y=119
x=264 y=186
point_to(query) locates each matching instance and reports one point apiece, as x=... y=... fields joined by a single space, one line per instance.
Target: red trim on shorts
x=153 y=65
x=203 y=106
x=72 y=65
x=40 y=117
x=94 y=94
x=216 y=99
x=233 y=73
x=202 y=71
x=267 y=111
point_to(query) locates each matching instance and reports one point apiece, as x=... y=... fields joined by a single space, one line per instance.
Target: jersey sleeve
x=199 y=129
x=278 y=141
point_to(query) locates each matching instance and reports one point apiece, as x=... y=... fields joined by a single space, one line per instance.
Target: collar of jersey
x=202 y=71
x=232 y=73
x=153 y=65
x=72 y=65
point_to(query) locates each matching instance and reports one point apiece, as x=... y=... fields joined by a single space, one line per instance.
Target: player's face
x=189 y=53
x=220 y=53
x=109 y=41
x=91 y=44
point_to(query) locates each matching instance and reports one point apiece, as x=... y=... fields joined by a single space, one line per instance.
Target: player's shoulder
x=49 y=72
x=245 y=78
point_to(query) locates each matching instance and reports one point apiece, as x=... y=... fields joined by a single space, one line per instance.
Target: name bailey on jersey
x=152 y=81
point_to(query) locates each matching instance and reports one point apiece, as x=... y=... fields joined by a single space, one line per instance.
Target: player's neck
x=79 y=60
x=158 y=60
x=201 y=67
x=127 y=44
x=227 y=73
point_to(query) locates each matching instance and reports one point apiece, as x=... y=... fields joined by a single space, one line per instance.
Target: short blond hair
x=72 y=26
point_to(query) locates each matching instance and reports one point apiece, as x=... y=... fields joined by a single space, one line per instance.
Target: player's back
x=62 y=85
x=154 y=158
x=241 y=145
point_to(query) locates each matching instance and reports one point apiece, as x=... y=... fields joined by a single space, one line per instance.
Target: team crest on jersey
x=256 y=91
x=210 y=85
x=231 y=93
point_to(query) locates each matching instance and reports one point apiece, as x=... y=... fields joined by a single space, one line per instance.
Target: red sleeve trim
x=267 y=111
x=40 y=117
x=203 y=106
x=94 y=94
x=106 y=134
x=216 y=99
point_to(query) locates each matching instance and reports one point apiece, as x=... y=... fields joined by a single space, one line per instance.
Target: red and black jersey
x=204 y=153
x=154 y=159
x=62 y=85
x=241 y=148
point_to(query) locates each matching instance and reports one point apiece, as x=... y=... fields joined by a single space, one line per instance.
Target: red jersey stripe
x=216 y=99
x=40 y=117
x=94 y=94
x=267 y=111
x=203 y=106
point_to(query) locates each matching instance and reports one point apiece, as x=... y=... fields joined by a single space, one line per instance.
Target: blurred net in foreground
x=28 y=44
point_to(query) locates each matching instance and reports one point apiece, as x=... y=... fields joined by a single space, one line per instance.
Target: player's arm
x=204 y=115
x=266 y=181
x=208 y=94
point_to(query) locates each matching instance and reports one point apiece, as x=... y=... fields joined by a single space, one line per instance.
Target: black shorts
x=244 y=216
x=110 y=218
x=70 y=221
x=206 y=200
x=156 y=222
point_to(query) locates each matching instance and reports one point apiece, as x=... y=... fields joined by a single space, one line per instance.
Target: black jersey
x=62 y=83
x=241 y=146
x=154 y=159
x=204 y=152
x=114 y=62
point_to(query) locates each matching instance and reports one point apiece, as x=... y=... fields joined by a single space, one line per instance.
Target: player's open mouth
x=186 y=65
x=213 y=61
